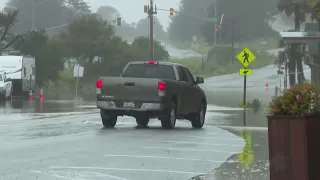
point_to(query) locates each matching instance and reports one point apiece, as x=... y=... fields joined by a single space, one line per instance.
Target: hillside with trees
x=88 y=39
x=250 y=17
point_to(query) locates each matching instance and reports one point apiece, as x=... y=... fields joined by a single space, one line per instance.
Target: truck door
x=185 y=90
x=192 y=90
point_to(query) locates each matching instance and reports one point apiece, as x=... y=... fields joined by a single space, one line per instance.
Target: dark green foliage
x=250 y=19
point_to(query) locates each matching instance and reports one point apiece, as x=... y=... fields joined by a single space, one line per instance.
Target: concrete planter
x=294 y=147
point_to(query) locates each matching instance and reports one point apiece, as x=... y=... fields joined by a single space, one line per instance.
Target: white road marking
x=221 y=138
x=86 y=172
x=245 y=128
x=162 y=157
x=124 y=169
x=207 y=144
x=214 y=133
x=55 y=175
x=95 y=173
x=198 y=150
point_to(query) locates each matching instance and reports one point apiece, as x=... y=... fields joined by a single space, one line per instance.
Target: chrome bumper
x=109 y=105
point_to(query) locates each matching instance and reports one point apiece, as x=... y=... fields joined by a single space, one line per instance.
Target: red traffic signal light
x=145 y=8
x=216 y=27
x=171 y=11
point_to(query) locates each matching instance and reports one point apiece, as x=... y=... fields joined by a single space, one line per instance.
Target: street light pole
x=34 y=6
x=215 y=15
x=232 y=40
x=33 y=15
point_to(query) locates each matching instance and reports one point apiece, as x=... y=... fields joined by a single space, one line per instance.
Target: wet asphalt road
x=61 y=140
x=73 y=145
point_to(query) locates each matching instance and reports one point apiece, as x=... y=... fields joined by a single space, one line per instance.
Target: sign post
x=77 y=72
x=245 y=57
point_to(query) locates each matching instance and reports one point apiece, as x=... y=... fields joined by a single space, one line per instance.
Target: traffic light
x=119 y=21
x=146 y=8
x=171 y=11
x=216 y=27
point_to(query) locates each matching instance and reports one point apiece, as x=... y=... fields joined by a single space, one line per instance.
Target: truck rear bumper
x=110 y=105
x=147 y=109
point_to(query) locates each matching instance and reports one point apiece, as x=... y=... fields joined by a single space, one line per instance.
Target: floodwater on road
x=64 y=119
x=63 y=139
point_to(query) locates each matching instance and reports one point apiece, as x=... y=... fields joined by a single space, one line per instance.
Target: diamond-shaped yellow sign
x=246 y=57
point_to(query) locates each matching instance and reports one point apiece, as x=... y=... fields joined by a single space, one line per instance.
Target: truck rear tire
x=170 y=118
x=142 y=121
x=109 y=122
x=197 y=119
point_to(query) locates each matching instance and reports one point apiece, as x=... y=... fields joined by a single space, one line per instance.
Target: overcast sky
x=132 y=10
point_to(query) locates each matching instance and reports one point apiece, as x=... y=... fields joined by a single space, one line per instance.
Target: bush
x=300 y=100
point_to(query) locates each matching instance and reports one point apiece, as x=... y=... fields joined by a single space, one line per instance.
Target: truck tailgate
x=130 y=89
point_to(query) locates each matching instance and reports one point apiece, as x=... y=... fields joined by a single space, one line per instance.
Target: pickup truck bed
x=151 y=90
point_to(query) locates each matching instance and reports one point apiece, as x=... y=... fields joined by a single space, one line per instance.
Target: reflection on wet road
x=60 y=139
x=72 y=145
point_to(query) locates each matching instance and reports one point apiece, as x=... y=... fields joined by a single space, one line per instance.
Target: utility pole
x=151 y=11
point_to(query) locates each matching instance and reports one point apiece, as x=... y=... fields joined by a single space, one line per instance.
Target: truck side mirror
x=199 y=80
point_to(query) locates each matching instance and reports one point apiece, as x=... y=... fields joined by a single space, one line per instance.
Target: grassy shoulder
x=259 y=45
x=214 y=68
x=218 y=59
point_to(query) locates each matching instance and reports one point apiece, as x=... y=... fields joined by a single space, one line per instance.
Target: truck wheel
x=170 y=118
x=142 y=121
x=109 y=121
x=197 y=119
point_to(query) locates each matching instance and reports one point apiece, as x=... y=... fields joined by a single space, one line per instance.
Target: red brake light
x=99 y=83
x=162 y=86
x=151 y=62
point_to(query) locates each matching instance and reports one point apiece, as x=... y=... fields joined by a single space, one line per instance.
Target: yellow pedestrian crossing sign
x=245 y=72
x=246 y=57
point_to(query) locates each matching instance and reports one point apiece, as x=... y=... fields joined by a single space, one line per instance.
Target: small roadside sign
x=246 y=57
x=78 y=71
x=245 y=72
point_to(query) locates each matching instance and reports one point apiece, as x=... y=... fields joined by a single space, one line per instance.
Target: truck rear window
x=150 y=71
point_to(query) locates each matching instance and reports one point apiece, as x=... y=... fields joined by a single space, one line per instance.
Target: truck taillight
x=99 y=83
x=161 y=86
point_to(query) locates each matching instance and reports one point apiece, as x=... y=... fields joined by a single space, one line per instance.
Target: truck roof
x=159 y=62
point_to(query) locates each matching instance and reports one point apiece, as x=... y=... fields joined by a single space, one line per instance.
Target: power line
x=56 y=27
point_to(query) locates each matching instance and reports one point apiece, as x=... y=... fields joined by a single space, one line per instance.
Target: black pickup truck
x=152 y=89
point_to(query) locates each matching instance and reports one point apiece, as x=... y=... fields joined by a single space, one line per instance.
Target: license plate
x=128 y=104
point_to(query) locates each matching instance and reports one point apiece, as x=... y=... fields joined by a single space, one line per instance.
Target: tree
x=89 y=36
x=90 y=41
x=108 y=13
x=184 y=24
x=141 y=47
x=79 y=6
x=295 y=54
x=48 y=54
x=7 y=20
x=49 y=13
x=143 y=28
